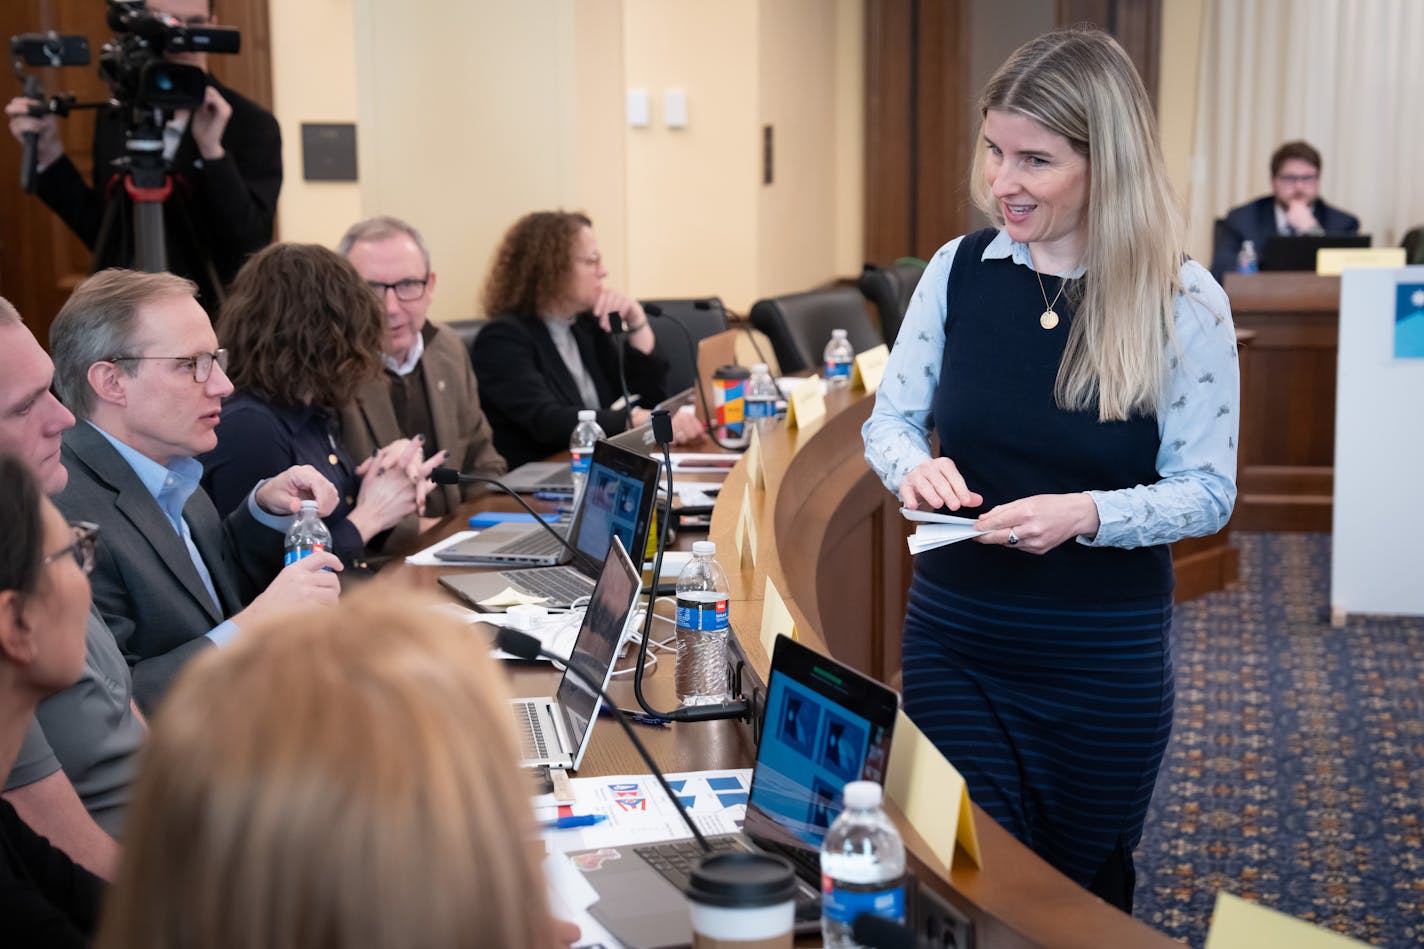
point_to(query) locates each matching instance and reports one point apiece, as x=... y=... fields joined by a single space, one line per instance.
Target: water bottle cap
x=703 y=548
x=838 y=334
x=587 y=415
x=862 y=795
x=759 y=367
x=308 y=506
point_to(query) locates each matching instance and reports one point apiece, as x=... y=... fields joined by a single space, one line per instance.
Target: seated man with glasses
x=1292 y=208
x=136 y=360
x=428 y=387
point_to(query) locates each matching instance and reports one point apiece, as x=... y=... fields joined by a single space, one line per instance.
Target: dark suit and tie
x=1255 y=221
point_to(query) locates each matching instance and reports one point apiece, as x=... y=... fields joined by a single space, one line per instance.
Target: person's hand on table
x=685 y=426
x=936 y=483
x=1039 y=523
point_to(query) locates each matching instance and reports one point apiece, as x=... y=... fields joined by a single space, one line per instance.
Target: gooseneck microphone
x=451 y=476
x=738 y=708
x=615 y=327
x=525 y=646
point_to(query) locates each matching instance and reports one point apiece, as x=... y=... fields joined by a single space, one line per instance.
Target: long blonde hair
x=334 y=778
x=1079 y=83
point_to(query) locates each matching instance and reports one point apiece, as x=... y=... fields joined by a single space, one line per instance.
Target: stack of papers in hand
x=937 y=530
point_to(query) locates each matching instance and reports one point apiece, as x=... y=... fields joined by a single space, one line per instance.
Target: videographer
x=225 y=159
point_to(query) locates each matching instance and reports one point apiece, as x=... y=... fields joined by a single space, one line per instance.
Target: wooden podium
x=1285 y=470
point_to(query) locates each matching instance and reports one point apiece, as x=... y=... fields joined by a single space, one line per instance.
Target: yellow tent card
x=930 y=793
x=805 y=405
x=775 y=618
x=1240 y=924
x=869 y=368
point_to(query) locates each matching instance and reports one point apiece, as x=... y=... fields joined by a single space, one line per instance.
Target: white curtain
x=1345 y=75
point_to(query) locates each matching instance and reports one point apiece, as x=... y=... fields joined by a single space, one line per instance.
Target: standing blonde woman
x=335 y=779
x=1080 y=372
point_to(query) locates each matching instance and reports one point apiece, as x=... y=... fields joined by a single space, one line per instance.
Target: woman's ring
x=1013 y=538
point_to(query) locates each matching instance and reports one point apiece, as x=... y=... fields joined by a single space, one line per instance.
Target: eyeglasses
x=86 y=539
x=407 y=291
x=1298 y=179
x=201 y=363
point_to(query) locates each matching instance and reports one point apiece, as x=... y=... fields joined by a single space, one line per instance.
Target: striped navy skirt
x=1057 y=715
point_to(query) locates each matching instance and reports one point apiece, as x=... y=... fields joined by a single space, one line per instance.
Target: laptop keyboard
x=541 y=544
x=531 y=739
x=560 y=585
x=674 y=861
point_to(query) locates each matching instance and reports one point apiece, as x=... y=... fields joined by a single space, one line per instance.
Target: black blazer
x=1255 y=221
x=144 y=582
x=530 y=397
x=219 y=213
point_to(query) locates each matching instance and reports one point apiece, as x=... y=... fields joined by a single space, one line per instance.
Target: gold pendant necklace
x=1049 y=319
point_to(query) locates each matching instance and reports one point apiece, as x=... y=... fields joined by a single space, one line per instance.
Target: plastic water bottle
x=839 y=356
x=307 y=535
x=1246 y=258
x=702 y=626
x=762 y=394
x=862 y=866
x=586 y=435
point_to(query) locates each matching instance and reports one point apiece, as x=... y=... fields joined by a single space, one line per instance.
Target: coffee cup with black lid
x=742 y=900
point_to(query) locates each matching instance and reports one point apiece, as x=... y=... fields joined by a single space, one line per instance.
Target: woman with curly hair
x=549 y=350
x=303 y=333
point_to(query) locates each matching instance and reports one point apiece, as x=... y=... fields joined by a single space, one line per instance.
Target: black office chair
x=1413 y=245
x=799 y=325
x=679 y=326
x=890 y=289
x=467 y=330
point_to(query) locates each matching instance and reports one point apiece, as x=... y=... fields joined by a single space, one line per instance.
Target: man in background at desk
x=429 y=386
x=1294 y=207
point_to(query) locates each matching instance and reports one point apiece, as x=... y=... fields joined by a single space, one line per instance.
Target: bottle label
x=760 y=408
x=706 y=616
x=834 y=369
x=298 y=552
x=844 y=906
x=580 y=460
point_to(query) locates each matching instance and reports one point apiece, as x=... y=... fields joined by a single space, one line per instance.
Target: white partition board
x=1378 y=544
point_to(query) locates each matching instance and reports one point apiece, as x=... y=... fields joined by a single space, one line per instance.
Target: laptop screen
x=609 y=612
x=826 y=725
x=617 y=502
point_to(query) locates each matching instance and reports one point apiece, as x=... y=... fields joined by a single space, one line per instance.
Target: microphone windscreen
x=652 y=309
x=516 y=643
x=662 y=426
x=445 y=476
x=877 y=932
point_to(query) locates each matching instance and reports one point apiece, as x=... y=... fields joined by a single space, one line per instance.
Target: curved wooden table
x=830 y=538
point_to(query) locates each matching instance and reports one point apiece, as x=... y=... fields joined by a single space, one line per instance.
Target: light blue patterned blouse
x=1198 y=423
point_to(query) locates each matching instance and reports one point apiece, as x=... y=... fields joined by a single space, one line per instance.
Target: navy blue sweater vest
x=997 y=419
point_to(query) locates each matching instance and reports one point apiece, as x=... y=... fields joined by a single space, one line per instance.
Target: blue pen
x=569 y=823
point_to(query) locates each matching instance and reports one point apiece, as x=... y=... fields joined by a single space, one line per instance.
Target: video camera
x=132 y=62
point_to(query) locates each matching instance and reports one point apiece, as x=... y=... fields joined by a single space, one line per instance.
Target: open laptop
x=640 y=438
x=555 y=477
x=617 y=502
x=825 y=725
x=555 y=729
x=1298 y=251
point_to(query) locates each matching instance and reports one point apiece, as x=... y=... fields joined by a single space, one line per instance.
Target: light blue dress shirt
x=171 y=488
x=1197 y=422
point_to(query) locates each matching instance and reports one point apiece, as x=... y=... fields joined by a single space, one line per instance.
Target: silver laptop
x=640 y=439
x=555 y=729
x=825 y=725
x=618 y=500
x=537 y=476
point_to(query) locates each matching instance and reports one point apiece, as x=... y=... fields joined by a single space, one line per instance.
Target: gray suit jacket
x=461 y=428
x=145 y=585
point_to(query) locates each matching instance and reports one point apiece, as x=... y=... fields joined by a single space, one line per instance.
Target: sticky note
x=869 y=368
x=1240 y=924
x=775 y=618
x=931 y=793
x=805 y=406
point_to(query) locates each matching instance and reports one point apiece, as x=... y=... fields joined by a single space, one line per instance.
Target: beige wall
x=1177 y=96
x=504 y=108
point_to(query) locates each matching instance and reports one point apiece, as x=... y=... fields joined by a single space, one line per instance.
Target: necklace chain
x=1049 y=318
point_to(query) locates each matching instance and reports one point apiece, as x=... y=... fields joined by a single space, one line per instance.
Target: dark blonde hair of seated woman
x=335 y=778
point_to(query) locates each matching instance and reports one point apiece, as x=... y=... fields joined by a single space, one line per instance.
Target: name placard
x=749 y=522
x=775 y=618
x=1333 y=261
x=1239 y=924
x=805 y=406
x=755 y=474
x=869 y=368
x=931 y=793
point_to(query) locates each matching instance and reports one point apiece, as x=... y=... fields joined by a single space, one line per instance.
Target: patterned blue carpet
x=1296 y=768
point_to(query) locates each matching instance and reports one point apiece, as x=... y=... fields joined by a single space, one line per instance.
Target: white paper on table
x=695 y=462
x=427 y=558
x=787 y=383
x=638 y=811
x=673 y=563
x=570 y=896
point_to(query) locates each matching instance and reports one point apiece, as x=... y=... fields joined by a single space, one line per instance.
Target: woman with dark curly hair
x=549 y=351
x=303 y=333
